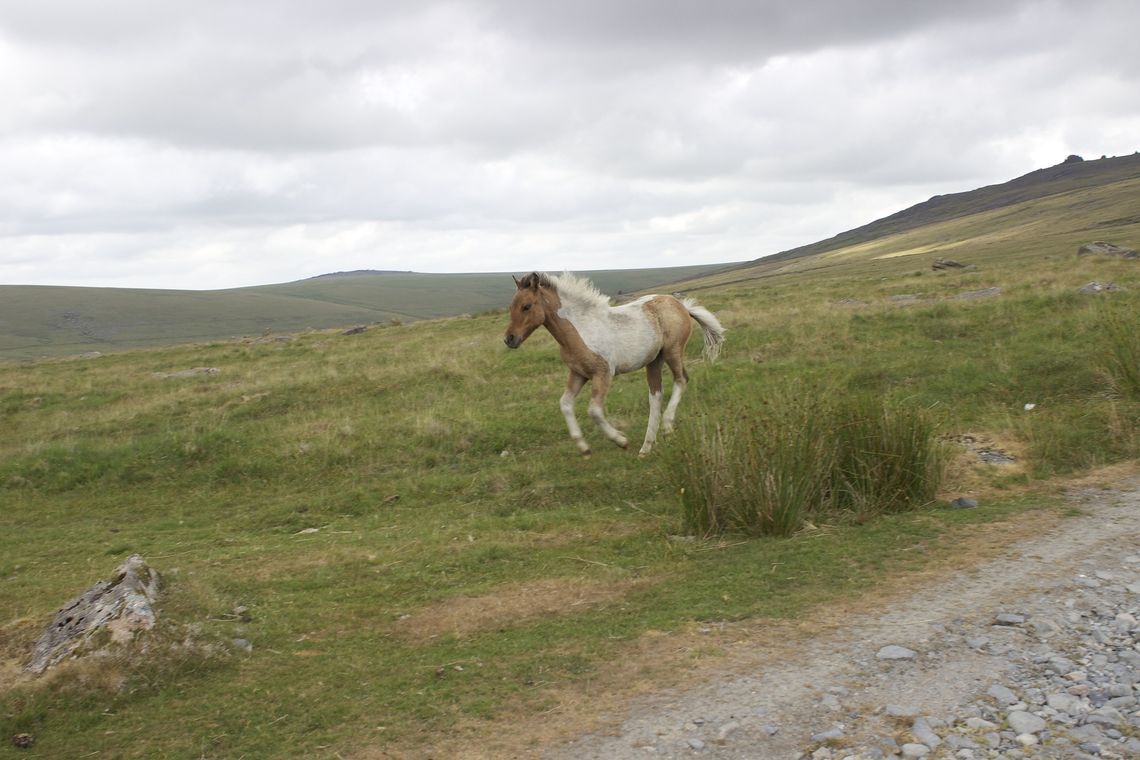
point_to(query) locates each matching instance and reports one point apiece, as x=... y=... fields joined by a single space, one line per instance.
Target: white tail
x=710 y=326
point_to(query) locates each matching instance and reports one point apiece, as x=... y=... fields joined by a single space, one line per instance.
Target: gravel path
x=1034 y=655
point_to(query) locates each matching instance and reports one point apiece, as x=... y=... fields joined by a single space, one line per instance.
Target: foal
x=599 y=341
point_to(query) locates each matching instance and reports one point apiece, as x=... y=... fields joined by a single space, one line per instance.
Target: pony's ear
x=517 y=283
x=535 y=280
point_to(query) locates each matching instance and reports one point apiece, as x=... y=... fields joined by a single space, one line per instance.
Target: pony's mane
x=571 y=287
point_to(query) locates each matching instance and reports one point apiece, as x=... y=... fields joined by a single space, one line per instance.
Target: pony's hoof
x=623 y=442
x=644 y=453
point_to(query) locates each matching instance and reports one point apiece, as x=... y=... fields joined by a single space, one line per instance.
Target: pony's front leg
x=598 y=413
x=573 y=387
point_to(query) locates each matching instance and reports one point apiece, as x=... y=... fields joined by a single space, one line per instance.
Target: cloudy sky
x=212 y=144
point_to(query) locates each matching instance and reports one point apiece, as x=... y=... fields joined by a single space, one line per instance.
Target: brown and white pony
x=599 y=341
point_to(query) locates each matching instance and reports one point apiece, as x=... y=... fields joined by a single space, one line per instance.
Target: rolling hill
x=40 y=321
x=1046 y=212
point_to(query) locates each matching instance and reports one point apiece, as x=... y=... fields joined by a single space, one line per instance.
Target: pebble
x=896 y=652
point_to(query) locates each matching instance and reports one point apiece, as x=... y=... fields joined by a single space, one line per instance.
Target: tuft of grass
x=1121 y=358
x=800 y=457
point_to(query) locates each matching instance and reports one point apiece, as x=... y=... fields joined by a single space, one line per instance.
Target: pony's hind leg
x=566 y=404
x=598 y=413
x=680 y=380
x=653 y=377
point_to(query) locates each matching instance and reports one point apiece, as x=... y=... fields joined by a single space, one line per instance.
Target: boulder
x=1108 y=249
x=1097 y=287
x=121 y=606
x=941 y=263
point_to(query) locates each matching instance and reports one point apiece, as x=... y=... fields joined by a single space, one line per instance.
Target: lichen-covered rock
x=116 y=608
x=1109 y=249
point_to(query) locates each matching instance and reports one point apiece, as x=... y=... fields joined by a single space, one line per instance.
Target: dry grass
x=513 y=605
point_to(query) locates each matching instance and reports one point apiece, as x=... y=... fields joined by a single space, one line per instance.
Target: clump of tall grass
x=1120 y=360
x=801 y=457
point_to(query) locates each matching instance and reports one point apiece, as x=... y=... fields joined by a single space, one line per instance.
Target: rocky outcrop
x=112 y=611
x=1107 y=249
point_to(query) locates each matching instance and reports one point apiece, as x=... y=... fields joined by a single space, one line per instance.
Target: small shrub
x=803 y=456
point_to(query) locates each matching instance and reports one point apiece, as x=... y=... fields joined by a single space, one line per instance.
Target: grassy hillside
x=1063 y=213
x=423 y=558
x=40 y=321
x=1054 y=180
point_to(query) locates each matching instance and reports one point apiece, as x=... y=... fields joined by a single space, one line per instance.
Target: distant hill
x=1062 y=178
x=51 y=321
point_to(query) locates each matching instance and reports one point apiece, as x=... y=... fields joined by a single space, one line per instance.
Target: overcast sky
x=214 y=143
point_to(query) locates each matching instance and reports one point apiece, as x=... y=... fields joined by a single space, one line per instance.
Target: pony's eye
x=526 y=307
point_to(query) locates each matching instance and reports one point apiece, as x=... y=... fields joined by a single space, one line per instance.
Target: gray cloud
x=221 y=143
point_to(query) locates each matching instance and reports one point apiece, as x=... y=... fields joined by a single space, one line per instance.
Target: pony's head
x=528 y=308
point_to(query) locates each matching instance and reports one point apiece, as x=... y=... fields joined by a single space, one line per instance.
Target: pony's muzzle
x=512 y=341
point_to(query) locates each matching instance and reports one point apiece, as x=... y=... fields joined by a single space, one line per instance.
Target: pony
x=598 y=341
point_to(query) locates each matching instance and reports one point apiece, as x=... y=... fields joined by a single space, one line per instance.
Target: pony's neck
x=556 y=324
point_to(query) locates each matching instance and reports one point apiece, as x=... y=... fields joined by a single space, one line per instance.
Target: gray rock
x=1095 y=287
x=925 y=734
x=964 y=502
x=1025 y=723
x=828 y=735
x=896 y=652
x=1009 y=618
x=1002 y=694
x=915 y=750
x=122 y=605
x=1106 y=249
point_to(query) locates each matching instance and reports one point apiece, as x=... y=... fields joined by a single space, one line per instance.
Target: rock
x=925 y=734
x=964 y=502
x=1002 y=694
x=901 y=711
x=915 y=750
x=23 y=741
x=941 y=263
x=1009 y=618
x=1025 y=723
x=896 y=652
x=828 y=735
x=355 y=330
x=1108 y=249
x=123 y=605
x=1097 y=287
x=192 y=372
x=696 y=744
x=244 y=645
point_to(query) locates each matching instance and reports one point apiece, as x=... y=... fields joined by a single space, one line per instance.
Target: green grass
x=436 y=467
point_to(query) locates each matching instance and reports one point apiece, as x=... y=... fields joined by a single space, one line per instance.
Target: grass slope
x=1054 y=180
x=989 y=226
x=51 y=321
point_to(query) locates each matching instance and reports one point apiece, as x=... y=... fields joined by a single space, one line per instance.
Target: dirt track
x=777 y=696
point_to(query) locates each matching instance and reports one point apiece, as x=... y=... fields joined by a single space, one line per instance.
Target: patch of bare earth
x=663 y=667
x=510 y=606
